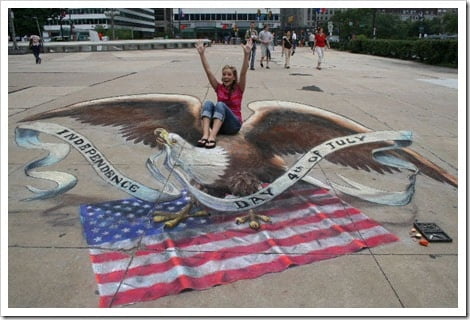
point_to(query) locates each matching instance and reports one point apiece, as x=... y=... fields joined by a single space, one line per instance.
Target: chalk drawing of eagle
x=241 y=162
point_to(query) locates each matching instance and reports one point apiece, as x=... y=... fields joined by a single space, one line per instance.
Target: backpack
x=287 y=43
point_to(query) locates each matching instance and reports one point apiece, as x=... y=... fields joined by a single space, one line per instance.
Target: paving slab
x=38 y=277
x=49 y=264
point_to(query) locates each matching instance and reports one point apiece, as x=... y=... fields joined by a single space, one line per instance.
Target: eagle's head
x=163 y=136
x=203 y=165
x=172 y=141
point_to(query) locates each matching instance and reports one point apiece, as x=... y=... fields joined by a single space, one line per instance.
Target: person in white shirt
x=311 y=40
x=294 y=41
x=265 y=37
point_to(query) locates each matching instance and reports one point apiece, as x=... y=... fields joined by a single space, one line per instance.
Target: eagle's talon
x=200 y=213
x=173 y=223
x=173 y=219
x=161 y=217
x=254 y=219
x=241 y=220
x=255 y=225
x=264 y=218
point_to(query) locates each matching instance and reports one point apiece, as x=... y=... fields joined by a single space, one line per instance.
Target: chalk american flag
x=135 y=259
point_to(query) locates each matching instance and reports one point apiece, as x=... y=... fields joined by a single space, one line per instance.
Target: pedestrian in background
x=294 y=41
x=282 y=46
x=35 y=45
x=302 y=38
x=265 y=37
x=253 y=35
x=273 y=43
x=319 y=46
x=311 y=40
x=287 y=48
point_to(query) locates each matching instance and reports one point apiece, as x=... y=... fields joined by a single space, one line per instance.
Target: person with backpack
x=287 y=48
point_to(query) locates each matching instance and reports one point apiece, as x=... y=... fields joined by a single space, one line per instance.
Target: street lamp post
x=374 y=29
x=180 y=16
x=12 y=28
x=37 y=24
x=71 y=26
x=111 y=13
x=61 y=29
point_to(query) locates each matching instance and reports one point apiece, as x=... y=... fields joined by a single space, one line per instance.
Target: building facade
x=75 y=23
x=218 y=24
x=306 y=18
x=164 y=22
x=221 y=24
x=416 y=14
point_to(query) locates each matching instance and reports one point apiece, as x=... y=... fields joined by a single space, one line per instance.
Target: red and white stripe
x=225 y=252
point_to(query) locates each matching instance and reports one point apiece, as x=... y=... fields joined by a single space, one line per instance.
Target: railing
x=117 y=45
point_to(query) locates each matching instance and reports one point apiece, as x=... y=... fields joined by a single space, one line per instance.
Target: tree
x=390 y=26
x=25 y=19
x=450 y=23
x=354 y=22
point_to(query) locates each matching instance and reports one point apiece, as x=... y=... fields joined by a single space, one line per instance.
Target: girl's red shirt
x=320 y=40
x=233 y=100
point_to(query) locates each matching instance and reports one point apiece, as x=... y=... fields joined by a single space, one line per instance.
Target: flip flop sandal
x=210 y=144
x=202 y=143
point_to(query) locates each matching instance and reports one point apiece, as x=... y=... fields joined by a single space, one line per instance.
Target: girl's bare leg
x=215 y=129
x=206 y=126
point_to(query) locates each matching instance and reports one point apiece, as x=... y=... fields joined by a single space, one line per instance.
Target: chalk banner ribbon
x=27 y=136
x=305 y=164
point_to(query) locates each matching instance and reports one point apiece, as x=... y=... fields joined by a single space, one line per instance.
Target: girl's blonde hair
x=235 y=81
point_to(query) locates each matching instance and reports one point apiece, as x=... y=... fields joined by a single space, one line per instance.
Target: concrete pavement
x=48 y=259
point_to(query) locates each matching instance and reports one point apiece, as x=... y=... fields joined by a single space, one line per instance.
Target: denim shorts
x=230 y=123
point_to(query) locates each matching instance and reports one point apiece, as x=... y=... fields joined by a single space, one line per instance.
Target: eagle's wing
x=282 y=128
x=137 y=115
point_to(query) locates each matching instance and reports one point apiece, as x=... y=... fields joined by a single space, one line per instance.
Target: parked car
x=333 y=38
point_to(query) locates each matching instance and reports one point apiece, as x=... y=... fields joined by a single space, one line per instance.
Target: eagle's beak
x=163 y=137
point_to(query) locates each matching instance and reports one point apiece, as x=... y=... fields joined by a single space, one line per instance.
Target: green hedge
x=435 y=52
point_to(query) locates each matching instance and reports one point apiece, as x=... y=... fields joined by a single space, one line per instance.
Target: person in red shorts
x=320 y=41
x=225 y=115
